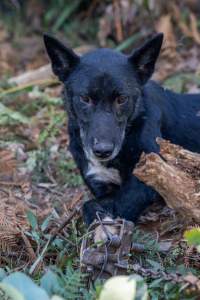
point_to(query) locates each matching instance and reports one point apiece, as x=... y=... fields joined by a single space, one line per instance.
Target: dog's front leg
x=104 y=207
x=132 y=199
x=127 y=203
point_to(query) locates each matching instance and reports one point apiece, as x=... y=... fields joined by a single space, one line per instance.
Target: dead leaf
x=164 y=246
x=118 y=20
x=7 y=163
x=194 y=28
x=192 y=279
x=74 y=202
x=12 y=216
x=3 y=33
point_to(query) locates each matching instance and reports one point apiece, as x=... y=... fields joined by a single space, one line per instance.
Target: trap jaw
x=101 y=261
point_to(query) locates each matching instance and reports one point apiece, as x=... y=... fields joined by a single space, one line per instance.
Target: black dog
x=115 y=114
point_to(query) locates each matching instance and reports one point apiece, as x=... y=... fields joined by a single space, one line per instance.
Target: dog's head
x=103 y=91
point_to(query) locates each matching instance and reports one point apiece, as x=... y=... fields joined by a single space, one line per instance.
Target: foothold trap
x=103 y=260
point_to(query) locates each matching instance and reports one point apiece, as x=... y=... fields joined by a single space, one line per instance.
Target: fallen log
x=175 y=175
x=41 y=73
x=44 y=72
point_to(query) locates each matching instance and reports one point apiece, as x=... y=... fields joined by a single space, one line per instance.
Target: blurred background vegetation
x=120 y=24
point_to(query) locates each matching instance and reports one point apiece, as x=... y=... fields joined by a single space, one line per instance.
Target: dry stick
x=75 y=211
x=117 y=20
x=29 y=247
x=19 y=88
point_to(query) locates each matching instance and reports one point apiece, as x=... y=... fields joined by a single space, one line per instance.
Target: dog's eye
x=121 y=100
x=86 y=99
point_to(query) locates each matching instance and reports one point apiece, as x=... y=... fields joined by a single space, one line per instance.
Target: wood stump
x=175 y=175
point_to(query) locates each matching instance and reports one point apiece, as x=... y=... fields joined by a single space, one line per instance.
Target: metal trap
x=106 y=259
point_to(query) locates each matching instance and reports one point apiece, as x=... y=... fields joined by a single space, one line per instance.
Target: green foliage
x=44 y=98
x=9 y=292
x=58 y=16
x=56 y=121
x=141 y=287
x=128 y=42
x=67 y=11
x=25 y=286
x=148 y=241
x=11 y=117
x=69 y=285
x=180 y=82
x=3 y=274
x=68 y=173
x=32 y=220
x=50 y=282
x=192 y=236
x=161 y=289
x=63 y=167
x=157 y=261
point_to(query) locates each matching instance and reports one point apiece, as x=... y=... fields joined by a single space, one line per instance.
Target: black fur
x=115 y=113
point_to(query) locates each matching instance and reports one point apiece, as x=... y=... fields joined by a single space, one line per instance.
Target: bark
x=175 y=175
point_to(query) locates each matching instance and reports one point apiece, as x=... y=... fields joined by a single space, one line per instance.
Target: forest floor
x=40 y=184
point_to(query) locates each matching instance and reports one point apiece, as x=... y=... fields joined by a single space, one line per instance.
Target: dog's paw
x=103 y=233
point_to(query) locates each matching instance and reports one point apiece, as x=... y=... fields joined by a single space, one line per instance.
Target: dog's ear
x=63 y=59
x=144 y=58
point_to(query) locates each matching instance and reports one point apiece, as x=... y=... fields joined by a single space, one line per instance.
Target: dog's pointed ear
x=144 y=58
x=63 y=59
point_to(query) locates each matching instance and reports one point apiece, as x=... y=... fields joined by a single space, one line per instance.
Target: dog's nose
x=103 y=150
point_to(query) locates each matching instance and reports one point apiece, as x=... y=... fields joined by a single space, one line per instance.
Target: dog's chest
x=102 y=173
